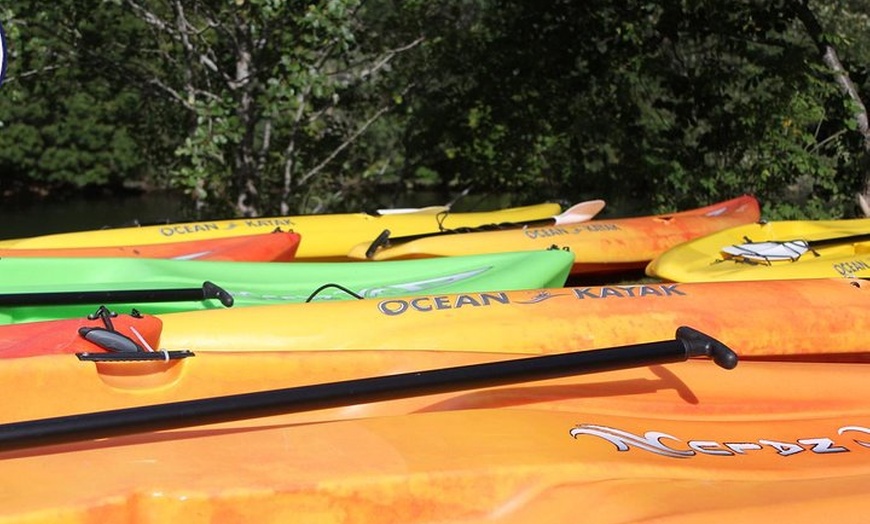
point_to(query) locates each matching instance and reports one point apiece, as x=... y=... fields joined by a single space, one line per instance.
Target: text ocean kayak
x=47 y=288
x=771 y=250
x=598 y=245
x=327 y=236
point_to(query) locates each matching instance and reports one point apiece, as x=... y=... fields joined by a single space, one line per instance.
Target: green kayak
x=34 y=289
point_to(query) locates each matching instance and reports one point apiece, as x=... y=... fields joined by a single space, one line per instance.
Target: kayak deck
x=277 y=246
x=702 y=259
x=629 y=442
x=28 y=291
x=328 y=237
x=599 y=245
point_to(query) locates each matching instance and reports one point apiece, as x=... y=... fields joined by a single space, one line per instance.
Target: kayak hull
x=599 y=246
x=748 y=315
x=702 y=260
x=277 y=246
x=523 y=322
x=256 y=283
x=327 y=237
x=757 y=442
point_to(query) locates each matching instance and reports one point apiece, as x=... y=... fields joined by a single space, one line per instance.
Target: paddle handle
x=208 y=290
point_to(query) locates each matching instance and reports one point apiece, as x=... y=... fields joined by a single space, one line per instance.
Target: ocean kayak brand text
x=654 y=442
x=202 y=227
x=546 y=232
x=394 y=307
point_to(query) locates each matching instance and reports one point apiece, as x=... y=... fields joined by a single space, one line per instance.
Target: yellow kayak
x=325 y=237
x=794 y=249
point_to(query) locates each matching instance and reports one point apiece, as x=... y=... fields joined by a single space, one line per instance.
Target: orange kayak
x=277 y=246
x=827 y=319
x=678 y=442
x=541 y=321
x=599 y=245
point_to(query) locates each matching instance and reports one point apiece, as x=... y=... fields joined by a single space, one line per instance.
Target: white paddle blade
x=413 y=210
x=580 y=212
x=768 y=251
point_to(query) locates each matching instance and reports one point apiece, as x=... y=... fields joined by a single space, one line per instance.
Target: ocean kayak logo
x=192 y=228
x=850 y=267
x=425 y=304
x=3 y=55
x=667 y=445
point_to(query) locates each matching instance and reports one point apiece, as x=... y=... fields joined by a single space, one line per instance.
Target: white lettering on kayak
x=418 y=286
x=653 y=442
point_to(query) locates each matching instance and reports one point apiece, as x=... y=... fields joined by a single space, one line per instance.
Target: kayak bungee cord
x=337 y=286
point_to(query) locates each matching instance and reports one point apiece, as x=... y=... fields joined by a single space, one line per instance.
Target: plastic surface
x=702 y=259
x=251 y=283
x=263 y=247
x=327 y=237
x=674 y=443
x=599 y=245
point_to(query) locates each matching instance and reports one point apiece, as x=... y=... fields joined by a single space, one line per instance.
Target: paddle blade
x=581 y=212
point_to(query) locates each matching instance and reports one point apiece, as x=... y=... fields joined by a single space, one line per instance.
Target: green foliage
x=63 y=114
x=266 y=106
x=671 y=103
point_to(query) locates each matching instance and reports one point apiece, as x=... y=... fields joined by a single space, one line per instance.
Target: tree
x=670 y=103
x=276 y=93
x=829 y=55
x=59 y=109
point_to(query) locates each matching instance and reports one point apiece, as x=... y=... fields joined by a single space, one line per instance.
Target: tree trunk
x=832 y=60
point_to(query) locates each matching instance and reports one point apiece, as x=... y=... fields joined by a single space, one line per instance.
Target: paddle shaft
x=822 y=242
x=384 y=238
x=64 y=298
x=118 y=422
x=588 y=208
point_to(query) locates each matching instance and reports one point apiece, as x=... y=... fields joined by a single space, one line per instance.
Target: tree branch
x=841 y=77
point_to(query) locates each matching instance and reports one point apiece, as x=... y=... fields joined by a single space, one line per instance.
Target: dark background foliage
x=261 y=107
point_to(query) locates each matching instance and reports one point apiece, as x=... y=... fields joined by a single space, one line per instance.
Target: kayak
x=748 y=315
x=766 y=441
x=277 y=246
x=327 y=236
x=599 y=246
x=793 y=249
x=523 y=322
x=49 y=288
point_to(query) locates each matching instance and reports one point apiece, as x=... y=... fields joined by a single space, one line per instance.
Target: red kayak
x=278 y=246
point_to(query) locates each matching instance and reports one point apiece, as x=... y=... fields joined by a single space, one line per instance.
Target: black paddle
x=70 y=428
x=62 y=298
x=577 y=213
